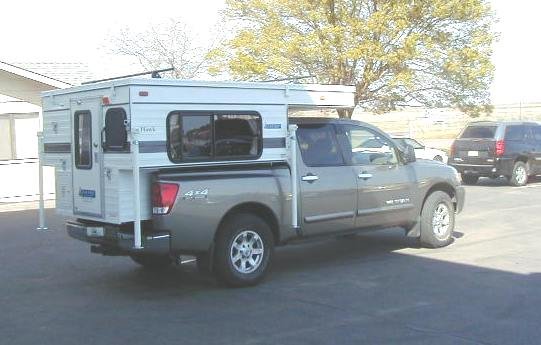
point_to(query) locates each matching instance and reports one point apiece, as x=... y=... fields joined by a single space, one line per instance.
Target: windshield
x=409 y=141
x=479 y=132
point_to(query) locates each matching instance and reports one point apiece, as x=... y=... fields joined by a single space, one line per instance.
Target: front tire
x=151 y=261
x=244 y=249
x=519 y=176
x=437 y=220
x=469 y=179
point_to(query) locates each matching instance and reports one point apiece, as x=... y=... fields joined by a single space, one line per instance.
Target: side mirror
x=409 y=154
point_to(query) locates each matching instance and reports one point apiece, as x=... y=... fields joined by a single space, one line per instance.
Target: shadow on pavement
x=502 y=182
x=362 y=289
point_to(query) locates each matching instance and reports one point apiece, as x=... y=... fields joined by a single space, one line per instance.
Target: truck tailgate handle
x=364 y=176
x=310 y=178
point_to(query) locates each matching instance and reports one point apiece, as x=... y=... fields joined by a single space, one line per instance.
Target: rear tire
x=469 y=179
x=243 y=250
x=152 y=261
x=438 y=158
x=437 y=220
x=519 y=176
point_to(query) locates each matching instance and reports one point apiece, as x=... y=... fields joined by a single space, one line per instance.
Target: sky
x=70 y=31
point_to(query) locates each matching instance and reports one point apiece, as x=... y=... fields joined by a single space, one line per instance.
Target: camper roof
x=320 y=95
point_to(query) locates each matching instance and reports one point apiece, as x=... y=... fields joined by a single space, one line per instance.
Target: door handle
x=364 y=176
x=310 y=178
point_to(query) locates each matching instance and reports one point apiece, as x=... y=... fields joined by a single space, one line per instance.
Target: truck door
x=87 y=157
x=328 y=187
x=385 y=185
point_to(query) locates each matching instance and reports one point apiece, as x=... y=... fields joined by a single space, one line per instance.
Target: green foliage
x=396 y=52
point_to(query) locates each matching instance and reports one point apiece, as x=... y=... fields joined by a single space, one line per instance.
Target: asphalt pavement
x=374 y=288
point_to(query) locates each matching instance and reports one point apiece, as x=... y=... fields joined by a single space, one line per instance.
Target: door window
x=318 y=146
x=83 y=140
x=367 y=147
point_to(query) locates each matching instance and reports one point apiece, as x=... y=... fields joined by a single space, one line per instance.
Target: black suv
x=494 y=149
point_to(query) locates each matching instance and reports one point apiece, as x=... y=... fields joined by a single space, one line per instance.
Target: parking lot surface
x=374 y=288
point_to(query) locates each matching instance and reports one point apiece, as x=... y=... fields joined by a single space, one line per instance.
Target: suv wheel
x=520 y=174
x=469 y=179
x=244 y=248
x=152 y=261
x=437 y=220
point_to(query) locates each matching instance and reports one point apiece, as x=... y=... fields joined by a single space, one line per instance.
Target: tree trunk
x=345 y=113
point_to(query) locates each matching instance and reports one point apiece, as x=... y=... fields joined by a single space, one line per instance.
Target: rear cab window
x=208 y=136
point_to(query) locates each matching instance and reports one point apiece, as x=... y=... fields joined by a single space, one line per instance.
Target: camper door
x=86 y=115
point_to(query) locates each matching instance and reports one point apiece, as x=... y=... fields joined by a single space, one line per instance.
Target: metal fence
x=438 y=127
x=19 y=180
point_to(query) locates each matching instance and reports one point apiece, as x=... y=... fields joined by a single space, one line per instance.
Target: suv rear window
x=479 y=132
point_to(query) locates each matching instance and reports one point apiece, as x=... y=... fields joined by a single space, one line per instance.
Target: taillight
x=163 y=197
x=500 y=148
x=453 y=149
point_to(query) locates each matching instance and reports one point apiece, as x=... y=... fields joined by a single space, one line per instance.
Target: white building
x=20 y=121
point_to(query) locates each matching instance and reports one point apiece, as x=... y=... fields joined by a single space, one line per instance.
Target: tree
x=170 y=44
x=395 y=52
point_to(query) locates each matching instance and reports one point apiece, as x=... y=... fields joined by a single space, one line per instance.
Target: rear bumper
x=111 y=240
x=500 y=167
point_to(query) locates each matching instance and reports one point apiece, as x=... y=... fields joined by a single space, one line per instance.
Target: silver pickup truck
x=231 y=217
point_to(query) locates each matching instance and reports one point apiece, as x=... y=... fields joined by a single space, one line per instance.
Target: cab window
x=318 y=145
x=366 y=147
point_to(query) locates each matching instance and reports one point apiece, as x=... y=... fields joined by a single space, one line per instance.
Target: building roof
x=26 y=85
x=73 y=73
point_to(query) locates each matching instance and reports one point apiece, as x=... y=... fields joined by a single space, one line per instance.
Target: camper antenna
x=288 y=79
x=154 y=74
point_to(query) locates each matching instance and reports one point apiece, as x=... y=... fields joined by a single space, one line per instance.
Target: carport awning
x=26 y=85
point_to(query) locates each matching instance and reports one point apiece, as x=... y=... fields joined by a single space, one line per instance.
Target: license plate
x=473 y=153
x=95 y=231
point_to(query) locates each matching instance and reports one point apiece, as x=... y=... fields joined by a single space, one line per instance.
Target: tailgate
x=474 y=151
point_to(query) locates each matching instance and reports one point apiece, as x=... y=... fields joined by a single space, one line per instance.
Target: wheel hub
x=521 y=175
x=441 y=220
x=246 y=252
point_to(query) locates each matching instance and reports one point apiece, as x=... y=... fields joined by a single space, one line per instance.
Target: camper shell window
x=209 y=136
x=83 y=140
x=115 y=136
